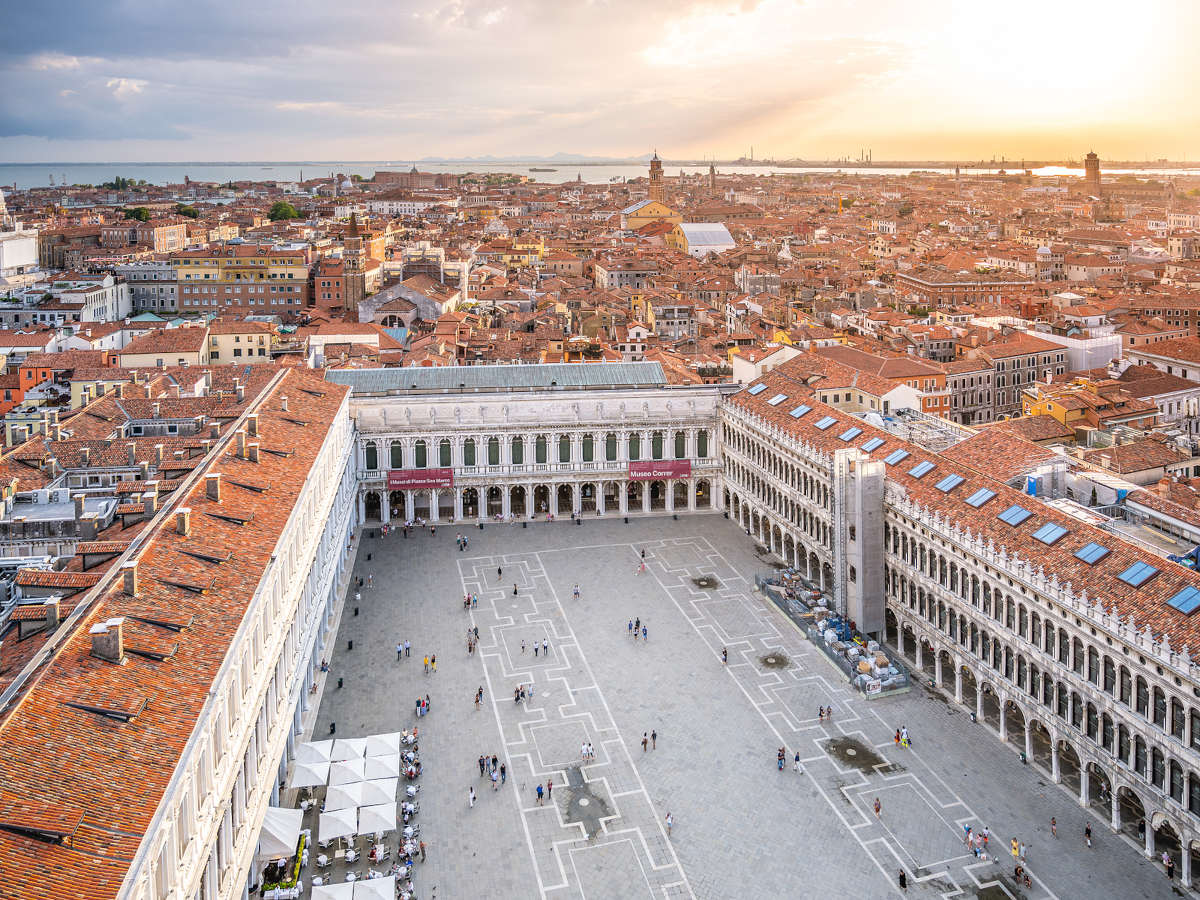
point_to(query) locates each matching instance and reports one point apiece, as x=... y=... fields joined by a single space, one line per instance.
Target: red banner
x=419 y=479
x=651 y=470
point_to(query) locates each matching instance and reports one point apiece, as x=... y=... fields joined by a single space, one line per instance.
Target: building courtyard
x=741 y=827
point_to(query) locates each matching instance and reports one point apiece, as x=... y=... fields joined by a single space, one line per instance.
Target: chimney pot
x=252 y=451
x=241 y=445
x=108 y=639
x=51 y=610
x=214 y=430
x=252 y=424
x=212 y=486
x=85 y=454
x=129 y=572
x=283 y=403
x=79 y=506
x=89 y=527
x=158 y=454
x=132 y=448
x=183 y=521
x=143 y=470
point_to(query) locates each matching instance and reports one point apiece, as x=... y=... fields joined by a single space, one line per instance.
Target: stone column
x=362 y=507
x=937 y=668
x=576 y=504
x=1003 y=719
x=920 y=651
x=1150 y=848
x=958 y=681
x=505 y=500
x=385 y=507
x=899 y=624
x=691 y=483
x=600 y=498
x=1055 y=771
x=409 y=506
x=646 y=496
x=433 y=505
x=1116 y=813
x=529 y=508
x=458 y=507
x=1185 y=865
x=670 y=496
x=978 y=701
x=623 y=497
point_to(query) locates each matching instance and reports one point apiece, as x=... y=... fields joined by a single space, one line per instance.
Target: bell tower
x=355 y=285
x=658 y=191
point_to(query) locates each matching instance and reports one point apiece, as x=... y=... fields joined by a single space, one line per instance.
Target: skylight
x=800 y=411
x=756 y=389
x=1014 y=515
x=949 y=483
x=921 y=469
x=873 y=444
x=1186 y=601
x=777 y=399
x=895 y=456
x=980 y=497
x=1092 y=553
x=826 y=422
x=849 y=434
x=1138 y=574
x=1049 y=533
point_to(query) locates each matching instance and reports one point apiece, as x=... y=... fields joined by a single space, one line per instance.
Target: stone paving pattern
x=742 y=828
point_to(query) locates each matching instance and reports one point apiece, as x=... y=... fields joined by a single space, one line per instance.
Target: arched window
x=444 y=454
x=539 y=449
x=397 y=455
x=564 y=449
x=372 y=455
x=420 y=456
x=1142 y=703
x=1160 y=708
x=702 y=443
x=635 y=447
x=610 y=447
x=518 y=451
x=680 y=445
x=493 y=451
x=656 y=445
x=469 y=452
x=589 y=448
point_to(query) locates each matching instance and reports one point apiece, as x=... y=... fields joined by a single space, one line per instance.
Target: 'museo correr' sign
x=653 y=469
x=419 y=479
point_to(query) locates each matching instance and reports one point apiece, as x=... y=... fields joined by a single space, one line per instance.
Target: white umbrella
x=381 y=817
x=374 y=889
x=346 y=771
x=309 y=774
x=280 y=832
x=315 y=751
x=338 y=891
x=344 y=796
x=348 y=748
x=339 y=823
x=383 y=744
x=381 y=790
x=375 y=767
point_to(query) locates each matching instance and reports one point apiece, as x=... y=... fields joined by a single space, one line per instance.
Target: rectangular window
x=1014 y=515
x=849 y=434
x=949 y=483
x=873 y=444
x=756 y=389
x=895 y=456
x=980 y=497
x=1049 y=533
x=1186 y=601
x=777 y=399
x=1091 y=554
x=800 y=411
x=921 y=469
x=1138 y=574
x=825 y=422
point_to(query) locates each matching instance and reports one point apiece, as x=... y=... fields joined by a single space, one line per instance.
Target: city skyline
x=814 y=80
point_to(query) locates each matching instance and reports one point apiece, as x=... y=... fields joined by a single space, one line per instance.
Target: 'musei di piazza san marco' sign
x=419 y=479
x=652 y=470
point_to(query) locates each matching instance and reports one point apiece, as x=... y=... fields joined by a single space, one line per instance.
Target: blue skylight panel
x=949 y=483
x=1014 y=515
x=895 y=456
x=825 y=422
x=1049 y=533
x=800 y=411
x=1186 y=601
x=777 y=399
x=756 y=389
x=850 y=434
x=980 y=497
x=1138 y=574
x=873 y=444
x=921 y=469
x=1092 y=553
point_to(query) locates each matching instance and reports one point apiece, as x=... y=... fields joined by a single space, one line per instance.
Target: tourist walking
x=426 y=661
x=653 y=739
x=499 y=572
x=495 y=781
x=503 y=774
x=549 y=788
x=629 y=627
x=433 y=662
x=1053 y=827
x=725 y=656
x=539 y=795
x=514 y=589
x=903 y=879
x=670 y=823
x=545 y=647
x=796 y=765
x=1087 y=834
x=407 y=649
x=643 y=634
x=645 y=740
x=877 y=807
x=399 y=652
x=482 y=765
x=471 y=797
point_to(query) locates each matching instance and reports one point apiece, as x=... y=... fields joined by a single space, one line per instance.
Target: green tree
x=190 y=211
x=281 y=209
x=139 y=212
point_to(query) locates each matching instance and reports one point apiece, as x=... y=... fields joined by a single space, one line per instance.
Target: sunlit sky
x=406 y=79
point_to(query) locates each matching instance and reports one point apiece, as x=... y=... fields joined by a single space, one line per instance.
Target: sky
x=150 y=80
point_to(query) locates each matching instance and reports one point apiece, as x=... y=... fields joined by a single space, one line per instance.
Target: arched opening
x=658 y=495
x=444 y=460
x=587 y=498
x=397 y=455
x=517 y=449
x=1040 y=743
x=1099 y=790
x=826 y=577
x=563 y=507
x=656 y=445
x=564 y=449
x=703 y=494
x=396 y=503
x=702 y=444
x=947 y=664
x=679 y=497
x=1068 y=766
x=495 y=502
x=420 y=455
x=991 y=705
x=610 y=447
x=469 y=452
x=891 y=627
x=470 y=503
x=493 y=451
x=539 y=449
x=445 y=505
x=635 y=447
x=372 y=504
x=777 y=541
x=970 y=688
x=789 y=549
x=928 y=658
x=680 y=445
x=371 y=454
x=516 y=500
x=421 y=509
x=1166 y=840
x=633 y=496
x=541 y=499
x=1014 y=724
x=1133 y=814
x=588 y=448
x=612 y=496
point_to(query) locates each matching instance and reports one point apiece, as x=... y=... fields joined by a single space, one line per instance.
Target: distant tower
x=3 y=212
x=1091 y=174
x=658 y=191
x=355 y=283
x=712 y=178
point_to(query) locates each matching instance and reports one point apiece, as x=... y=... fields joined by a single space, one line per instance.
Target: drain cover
x=775 y=660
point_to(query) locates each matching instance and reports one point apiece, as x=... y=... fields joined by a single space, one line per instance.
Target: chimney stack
x=183 y=521
x=157 y=410
x=85 y=456
x=108 y=639
x=50 y=607
x=214 y=430
x=212 y=486
x=252 y=451
x=241 y=392
x=150 y=499
x=78 y=507
x=129 y=572
x=120 y=391
x=252 y=424
x=143 y=470
x=132 y=448
x=55 y=432
x=241 y=445
x=158 y=454
x=283 y=403
x=89 y=527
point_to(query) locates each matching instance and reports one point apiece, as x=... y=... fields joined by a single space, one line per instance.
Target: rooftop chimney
x=132 y=448
x=50 y=608
x=158 y=454
x=143 y=470
x=78 y=507
x=183 y=521
x=85 y=455
x=108 y=639
x=89 y=527
x=212 y=486
x=157 y=410
x=252 y=451
x=130 y=574
x=241 y=445
x=149 y=503
x=241 y=393
x=55 y=432
x=120 y=391
x=214 y=430
x=283 y=403
x=252 y=424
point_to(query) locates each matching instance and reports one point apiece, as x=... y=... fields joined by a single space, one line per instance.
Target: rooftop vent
x=283 y=403
x=252 y=424
x=108 y=639
x=212 y=486
x=129 y=572
x=183 y=521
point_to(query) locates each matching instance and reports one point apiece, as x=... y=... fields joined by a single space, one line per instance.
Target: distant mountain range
x=559 y=157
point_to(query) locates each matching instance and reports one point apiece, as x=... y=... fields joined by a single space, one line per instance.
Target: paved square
x=742 y=827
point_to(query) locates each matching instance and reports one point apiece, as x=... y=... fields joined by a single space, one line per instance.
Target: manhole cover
x=771 y=659
x=584 y=801
x=708 y=582
x=850 y=751
x=775 y=660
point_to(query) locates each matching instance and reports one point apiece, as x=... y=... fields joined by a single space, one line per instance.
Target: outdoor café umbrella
x=344 y=796
x=372 y=819
x=280 y=832
x=314 y=752
x=381 y=790
x=346 y=771
x=348 y=748
x=375 y=888
x=383 y=744
x=375 y=767
x=338 y=823
x=309 y=774
x=339 y=891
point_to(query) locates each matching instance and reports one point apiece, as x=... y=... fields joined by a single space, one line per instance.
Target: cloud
x=123 y=88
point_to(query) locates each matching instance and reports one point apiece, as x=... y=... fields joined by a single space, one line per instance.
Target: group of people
x=781 y=758
x=462 y=541
x=545 y=647
x=902 y=737
x=634 y=626
x=493 y=769
x=470 y=601
x=825 y=713
x=472 y=639
x=422 y=706
x=520 y=695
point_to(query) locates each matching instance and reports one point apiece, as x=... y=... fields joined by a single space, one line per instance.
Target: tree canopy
x=138 y=212
x=281 y=209
x=190 y=211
